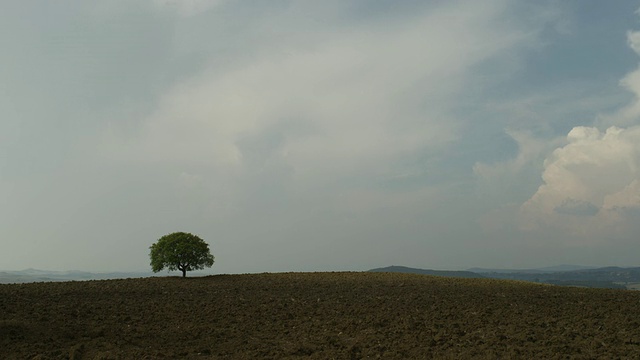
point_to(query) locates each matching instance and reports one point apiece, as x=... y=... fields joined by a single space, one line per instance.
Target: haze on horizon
x=320 y=136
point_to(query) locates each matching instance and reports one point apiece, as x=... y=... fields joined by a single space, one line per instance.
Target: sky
x=333 y=135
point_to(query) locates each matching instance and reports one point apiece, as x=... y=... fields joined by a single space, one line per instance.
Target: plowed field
x=316 y=316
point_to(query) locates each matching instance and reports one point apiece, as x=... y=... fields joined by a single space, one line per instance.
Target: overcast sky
x=320 y=135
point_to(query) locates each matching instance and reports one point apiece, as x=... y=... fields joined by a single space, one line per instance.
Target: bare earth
x=316 y=316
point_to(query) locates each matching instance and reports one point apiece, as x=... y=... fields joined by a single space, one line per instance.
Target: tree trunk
x=184 y=272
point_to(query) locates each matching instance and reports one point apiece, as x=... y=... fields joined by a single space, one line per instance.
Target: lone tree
x=180 y=251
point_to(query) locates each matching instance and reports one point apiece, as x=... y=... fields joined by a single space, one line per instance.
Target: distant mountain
x=564 y=275
x=562 y=268
x=607 y=277
x=35 y=275
x=444 y=273
x=542 y=270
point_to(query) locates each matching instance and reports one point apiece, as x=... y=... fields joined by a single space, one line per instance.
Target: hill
x=445 y=273
x=606 y=277
x=542 y=270
x=563 y=275
x=315 y=316
x=35 y=275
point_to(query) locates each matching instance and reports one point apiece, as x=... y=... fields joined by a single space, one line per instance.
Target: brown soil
x=316 y=316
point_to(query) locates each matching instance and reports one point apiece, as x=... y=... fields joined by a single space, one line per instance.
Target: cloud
x=187 y=8
x=292 y=134
x=629 y=197
x=530 y=149
x=633 y=39
x=629 y=115
x=505 y=182
x=587 y=182
x=577 y=208
x=589 y=196
x=351 y=103
x=298 y=132
x=590 y=185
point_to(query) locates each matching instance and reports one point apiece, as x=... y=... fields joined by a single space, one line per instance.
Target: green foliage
x=180 y=251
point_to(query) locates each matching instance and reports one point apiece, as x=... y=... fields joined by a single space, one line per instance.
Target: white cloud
x=586 y=182
x=633 y=39
x=629 y=197
x=590 y=185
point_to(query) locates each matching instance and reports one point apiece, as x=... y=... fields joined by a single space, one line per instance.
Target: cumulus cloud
x=577 y=208
x=591 y=184
x=587 y=182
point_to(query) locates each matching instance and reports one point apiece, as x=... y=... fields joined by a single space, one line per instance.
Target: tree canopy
x=180 y=251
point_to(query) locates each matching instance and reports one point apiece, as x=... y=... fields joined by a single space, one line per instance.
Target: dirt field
x=316 y=316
